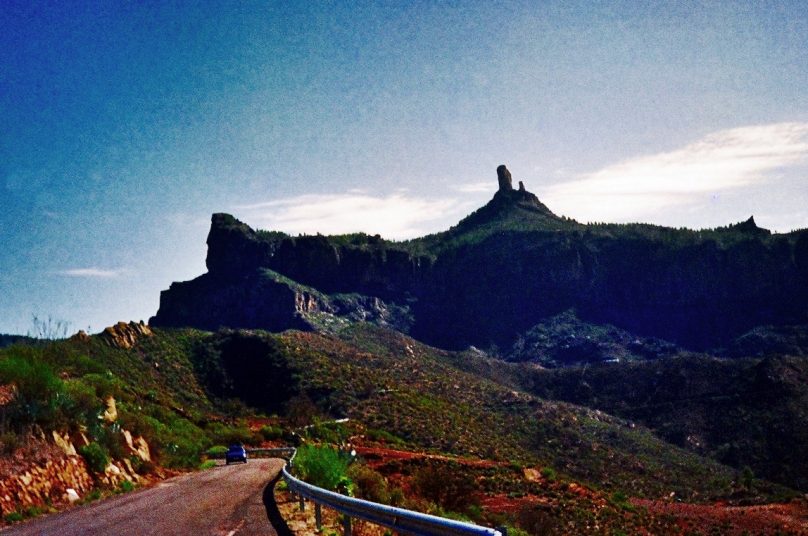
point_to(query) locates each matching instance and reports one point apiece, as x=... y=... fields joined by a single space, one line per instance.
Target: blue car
x=235 y=453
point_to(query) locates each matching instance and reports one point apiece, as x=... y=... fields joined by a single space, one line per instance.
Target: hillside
x=184 y=391
x=507 y=267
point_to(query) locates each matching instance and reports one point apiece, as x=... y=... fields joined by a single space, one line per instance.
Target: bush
x=222 y=434
x=10 y=442
x=177 y=441
x=446 y=486
x=368 y=483
x=324 y=467
x=216 y=451
x=95 y=456
x=207 y=464
x=39 y=389
x=271 y=432
x=13 y=517
x=549 y=473
x=383 y=436
x=537 y=520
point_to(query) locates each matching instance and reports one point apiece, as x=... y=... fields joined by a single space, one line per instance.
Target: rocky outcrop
x=123 y=335
x=263 y=299
x=46 y=483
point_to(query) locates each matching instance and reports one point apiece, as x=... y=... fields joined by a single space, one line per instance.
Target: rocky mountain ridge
x=503 y=269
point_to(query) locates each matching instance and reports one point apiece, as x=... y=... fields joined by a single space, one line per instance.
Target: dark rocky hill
x=510 y=265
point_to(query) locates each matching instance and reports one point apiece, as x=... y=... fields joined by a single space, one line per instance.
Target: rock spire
x=504 y=178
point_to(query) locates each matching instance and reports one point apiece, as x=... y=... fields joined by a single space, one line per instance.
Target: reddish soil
x=788 y=518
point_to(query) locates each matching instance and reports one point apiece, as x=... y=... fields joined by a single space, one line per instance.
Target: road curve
x=224 y=500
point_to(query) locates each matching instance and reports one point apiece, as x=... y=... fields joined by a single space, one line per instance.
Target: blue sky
x=125 y=125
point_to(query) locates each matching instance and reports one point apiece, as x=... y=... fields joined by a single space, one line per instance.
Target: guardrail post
x=302 y=502
x=318 y=516
x=346 y=525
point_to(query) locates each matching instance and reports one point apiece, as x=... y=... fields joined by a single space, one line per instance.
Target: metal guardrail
x=282 y=452
x=398 y=519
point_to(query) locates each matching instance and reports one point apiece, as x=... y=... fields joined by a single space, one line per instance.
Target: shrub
x=384 y=436
x=13 y=517
x=747 y=477
x=222 y=434
x=271 y=432
x=324 y=467
x=549 y=473
x=445 y=485
x=329 y=432
x=10 y=442
x=82 y=403
x=301 y=411
x=216 y=451
x=536 y=519
x=177 y=441
x=207 y=464
x=38 y=387
x=95 y=456
x=620 y=499
x=125 y=486
x=368 y=483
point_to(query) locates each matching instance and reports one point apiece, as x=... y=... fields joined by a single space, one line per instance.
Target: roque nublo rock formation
x=498 y=272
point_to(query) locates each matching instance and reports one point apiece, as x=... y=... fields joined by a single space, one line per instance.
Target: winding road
x=233 y=500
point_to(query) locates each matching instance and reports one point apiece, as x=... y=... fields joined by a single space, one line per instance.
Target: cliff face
x=502 y=270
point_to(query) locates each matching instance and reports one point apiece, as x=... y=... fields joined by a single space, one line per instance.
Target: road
x=224 y=500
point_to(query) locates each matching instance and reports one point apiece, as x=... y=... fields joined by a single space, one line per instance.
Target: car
x=235 y=453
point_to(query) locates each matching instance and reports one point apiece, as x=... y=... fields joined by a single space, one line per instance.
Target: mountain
x=499 y=272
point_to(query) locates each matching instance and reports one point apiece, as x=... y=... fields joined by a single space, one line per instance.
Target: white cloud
x=91 y=272
x=395 y=216
x=476 y=187
x=642 y=186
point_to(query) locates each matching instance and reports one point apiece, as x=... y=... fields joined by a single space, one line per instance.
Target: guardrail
x=398 y=519
x=281 y=452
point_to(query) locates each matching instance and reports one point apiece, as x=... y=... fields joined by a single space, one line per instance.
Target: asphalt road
x=224 y=500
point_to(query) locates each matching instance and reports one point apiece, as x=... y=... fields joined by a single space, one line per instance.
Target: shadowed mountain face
x=510 y=265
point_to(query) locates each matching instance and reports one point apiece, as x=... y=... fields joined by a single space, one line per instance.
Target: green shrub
x=222 y=434
x=368 y=483
x=747 y=477
x=271 y=432
x=39 y=389
x=177 y=441
x=13 y=517
x=207 y=464
x=324 y=467
x=216 y=451
x=95 y=456
x=82 y=403
x=384 y=436
x=333 y=433
x=620 y=499
x=549 y=473
x=125 y=486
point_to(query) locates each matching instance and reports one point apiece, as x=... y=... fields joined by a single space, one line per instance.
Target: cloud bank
x=639 y=187
x=395 y=216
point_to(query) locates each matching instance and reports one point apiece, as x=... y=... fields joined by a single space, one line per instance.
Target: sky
x=125 y=125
